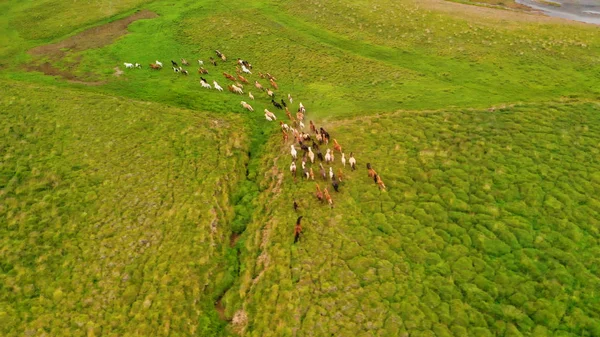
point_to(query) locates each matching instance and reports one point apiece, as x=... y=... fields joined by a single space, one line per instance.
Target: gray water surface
x=578 y=10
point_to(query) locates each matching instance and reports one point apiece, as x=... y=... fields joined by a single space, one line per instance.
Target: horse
x=323 y=174
x=237 y=90
x=285 y=136
x=299 y=116
x=250 y=95
x=158 y=63
x=337 y=146
x=202 y=71
x=128 y=65
x=352 y=161
x=331 y=174
x=229 y=77
x=243 y=79
x=277 y=105
x=290 y=98
x=380 y=183
x=344 y=159
x=312 y=174
x=270 y=93
x=176 y=70
x=204 y=83
x=174 y=64
x=246 y=70
x=155 y=66
x=247 y=106
x=312 y=126
x=328 y=197
x=258 y=86
x=183 y=71
x=311 y=155
x=293 y=168
x=372 y=172
x=184 y=62
x=200 y=62
x=137 y=65
x=270 y=116
x=297 y=229
x=319 y=194
x=335 y=184
x=214 y=63
x=293 y=152
x=221 y=55
x=328 y=156
x=273 y=84
x=283 y=103
x=319 y=154
x=340 y=174
x=301 y=108
x=217 y=86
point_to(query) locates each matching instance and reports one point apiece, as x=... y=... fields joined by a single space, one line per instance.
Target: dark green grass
x=489 y=227
x=114 y=214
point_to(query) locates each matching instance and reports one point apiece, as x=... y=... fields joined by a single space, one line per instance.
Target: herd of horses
x=309 y=143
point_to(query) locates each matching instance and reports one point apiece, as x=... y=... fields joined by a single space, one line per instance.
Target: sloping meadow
x=489 y=226
x=114 y=214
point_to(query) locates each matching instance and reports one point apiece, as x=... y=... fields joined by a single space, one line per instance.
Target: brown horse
x=372 y=172
x=155 y=66
x=229 y=77
x=243 y=79
x=337 y=146
x=202 y=71
x=380 y=183
x=319 y=194
x=328 y=197
x=297 y=229
x=274 y=84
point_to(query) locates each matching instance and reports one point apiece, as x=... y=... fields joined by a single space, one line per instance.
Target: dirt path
x=96 y=37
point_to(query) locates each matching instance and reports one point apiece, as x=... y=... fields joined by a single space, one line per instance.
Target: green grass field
x=144 y=205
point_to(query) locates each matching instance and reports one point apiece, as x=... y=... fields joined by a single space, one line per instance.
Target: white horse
x=328 y=156
x=311 y=155
x=250 y=95
x=343 y=159
x=352 y=161
x=247 y=106
x=205 y=85
x=158 y=63
x=293 y=152
x=237 y=89
x=244 y=69
x=200 y=62
x=270 y=116
x=330 y=172
x=217 y=86
x=128 y=65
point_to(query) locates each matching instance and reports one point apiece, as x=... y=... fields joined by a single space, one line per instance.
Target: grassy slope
x=344 y=59
x=115 y=214
x=489 y=227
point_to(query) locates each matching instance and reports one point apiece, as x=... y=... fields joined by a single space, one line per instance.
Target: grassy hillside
x=114 y=214
x=135 y=203
x=489 y=227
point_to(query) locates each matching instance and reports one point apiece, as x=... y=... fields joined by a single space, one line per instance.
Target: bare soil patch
x=92 y=38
